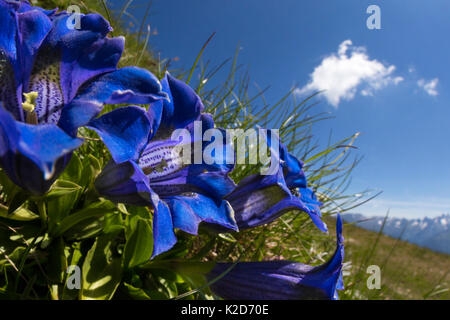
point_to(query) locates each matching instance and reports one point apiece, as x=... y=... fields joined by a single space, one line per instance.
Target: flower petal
x=189 y=209
x=259 y=200
x=124 y=183
x=22 y=33
x=213 y=184
x=102 y=56
x=85 y=50
x=33 y=156
x=292 y=167
x=308 y=197
x=33 y=28
x=163 y=236
x=23 y=6
x=184 y=105
x=8 y=27
x=170 y=174
x=44 y=144
x=127 y=85
x=124 y=131
x=280 y=280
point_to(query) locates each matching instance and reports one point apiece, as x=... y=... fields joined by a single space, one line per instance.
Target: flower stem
x=42 y=213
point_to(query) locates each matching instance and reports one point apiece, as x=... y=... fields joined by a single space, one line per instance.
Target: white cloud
x=429 y=86
x=342 y=74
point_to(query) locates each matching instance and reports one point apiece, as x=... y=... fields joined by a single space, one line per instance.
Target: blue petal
x=24 y=6
x=33 y=155
x=280 y=280
x=79 y=113
x=292 y=167
x=33 y=28
x=21 y=36
x=332 y=270
x=184 y=218
x=125 y=183
x=44 y=144
x=184 y=105
x=85 y=51
x=209 y=179
x=163 y=236
x=9 y=134
x=154 y=112
x=92 y=27
x=8 y=27
x=259 y=200
x=100 y=57
x=124 y=131
x=215 y=184
x=309 y=198
x=127 y=85
x=188 y=210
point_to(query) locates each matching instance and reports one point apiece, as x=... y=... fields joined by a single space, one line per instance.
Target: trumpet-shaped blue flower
x=260 y=199
x=182 y=193
x=54 y=79
x=281 y=280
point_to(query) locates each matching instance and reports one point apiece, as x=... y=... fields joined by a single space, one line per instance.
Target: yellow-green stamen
x=30 y=101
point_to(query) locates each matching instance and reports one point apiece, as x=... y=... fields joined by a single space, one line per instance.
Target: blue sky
x=390 y=84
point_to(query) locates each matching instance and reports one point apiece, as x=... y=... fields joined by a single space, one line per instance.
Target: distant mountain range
x=432 y=233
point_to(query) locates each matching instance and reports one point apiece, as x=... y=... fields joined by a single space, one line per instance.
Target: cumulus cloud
x=341 y=75
x=429 y=86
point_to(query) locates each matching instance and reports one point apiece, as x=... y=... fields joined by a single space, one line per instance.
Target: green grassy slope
x=407 y=271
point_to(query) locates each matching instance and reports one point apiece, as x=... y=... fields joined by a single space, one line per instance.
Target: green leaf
x=61 y=188
x=91 y=168
x=9 y=188
x=227 y=237
x=73 y=170
x=21 y=214
x=162 y=284
x=59 y=206
x=139 y=245
x=12 y=258
x=113 y=223
x=17 y=201
x=96 y=209
x=135 y=293
x=57 y=261
x=85 y=229
x=101 y=272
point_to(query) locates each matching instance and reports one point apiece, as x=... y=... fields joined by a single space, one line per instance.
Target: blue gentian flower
x=281 y=280
x=54 y=79
x=260 y=199
x=182 y=194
